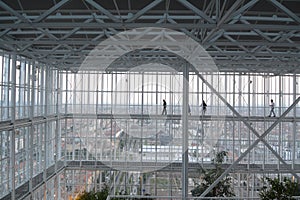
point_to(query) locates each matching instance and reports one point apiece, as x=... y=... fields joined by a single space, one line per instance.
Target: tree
x=276 y=189
x=208 y=176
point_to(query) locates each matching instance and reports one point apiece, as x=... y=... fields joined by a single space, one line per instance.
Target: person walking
x=164 y=112
x=204 y=105
x=272 y=105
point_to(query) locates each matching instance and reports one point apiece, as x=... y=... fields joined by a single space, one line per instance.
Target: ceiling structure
x=240 y=35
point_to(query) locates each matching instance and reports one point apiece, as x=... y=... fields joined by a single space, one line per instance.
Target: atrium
x=139 y=96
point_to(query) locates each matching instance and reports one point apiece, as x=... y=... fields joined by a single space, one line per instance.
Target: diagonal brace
x=103 y=10
x=144 y=10
x=261 y=138
x=51 y=10
x=286 y=10
x=248 y=125
x=197 y=11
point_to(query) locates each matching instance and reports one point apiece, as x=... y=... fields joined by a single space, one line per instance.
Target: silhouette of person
x=164 y=112
x=272 y=105
x=204 y=105
x=189 y=109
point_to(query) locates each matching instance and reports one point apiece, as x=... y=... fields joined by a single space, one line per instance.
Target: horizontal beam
x=180 y=15
x=90 y=42
x=175 y=166
x=179 y=117
x=122 y=26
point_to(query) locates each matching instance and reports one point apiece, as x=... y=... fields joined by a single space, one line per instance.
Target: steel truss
x=247 y=36
x=241 y=36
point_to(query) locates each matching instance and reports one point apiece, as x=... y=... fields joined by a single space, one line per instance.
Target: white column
x=185 y=158
x=13 y=118
x=32 y=104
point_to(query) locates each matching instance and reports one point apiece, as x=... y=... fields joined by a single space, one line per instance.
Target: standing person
x=204 y=105
x=164 y=112
x=189 y=109
x=272 y=105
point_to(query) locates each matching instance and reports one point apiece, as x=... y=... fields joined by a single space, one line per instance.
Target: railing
x=149 y=197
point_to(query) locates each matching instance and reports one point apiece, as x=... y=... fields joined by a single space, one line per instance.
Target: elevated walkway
x=175 y=167
x=8 y=125
x=179 y=117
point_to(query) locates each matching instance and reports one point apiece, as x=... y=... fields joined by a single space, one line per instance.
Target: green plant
x=208 y=176
x=92 y=195
x=277 y=189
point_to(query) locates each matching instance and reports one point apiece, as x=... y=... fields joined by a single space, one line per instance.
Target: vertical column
x=102 y=111
x=95 y=80
x=57 y=113
x=102 y=92
x=42 y=94
x=280 y=135
x=4 y=90
x=27 y=113
x=57 y=136
x=226 y=143
x=66 y=120
x=142 y=122
x=13 y=118
x=22 y=76
x=266 y=102
x=233 y=122
x=249 y=114
x=46 y=135
x=294 y=122
x=2 y=134
x=239 y=108
x=32 y=103
x=74 y=110
x=185 y=159
x=157 y=111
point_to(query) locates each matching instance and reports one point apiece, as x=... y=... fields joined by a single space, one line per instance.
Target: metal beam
x=223 y=20
x=103 y=10
x=51 y=10
x=121 y=26
x=244 y=8
x=185 y=135
x=278 y=43
x=13 y=12
x=285 y=10
x=197 y=11
x=144 y=10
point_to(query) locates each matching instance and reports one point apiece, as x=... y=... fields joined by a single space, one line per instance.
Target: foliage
x=92 y=195
x=102 y=195
x=208 y=176
x=276 y=189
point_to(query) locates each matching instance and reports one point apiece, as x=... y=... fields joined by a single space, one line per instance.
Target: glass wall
x=117 y=119
x=30 y=128
x=114 y=123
